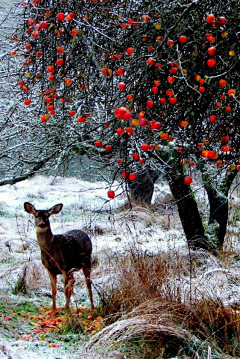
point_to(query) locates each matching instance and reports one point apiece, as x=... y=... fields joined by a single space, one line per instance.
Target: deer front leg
x=87 y=272
x=53 y=279
x=68 y=287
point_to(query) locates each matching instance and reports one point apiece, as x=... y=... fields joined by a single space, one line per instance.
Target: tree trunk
x=217 y=224
x=142 y=188
x=217 y=192
x=187 y=208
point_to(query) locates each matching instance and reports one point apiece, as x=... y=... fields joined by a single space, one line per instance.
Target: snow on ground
x=87 y=207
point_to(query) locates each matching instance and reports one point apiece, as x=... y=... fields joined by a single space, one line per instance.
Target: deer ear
x=55 y=209
x=29 y=208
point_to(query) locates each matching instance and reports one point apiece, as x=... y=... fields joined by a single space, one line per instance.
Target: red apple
x=173 y=70
x=145 y=18
x=154 y=89
x=120 y=131
x=231 y=92
x=35 y=34
x=145 y=147
x=45 y=117
x=51 y=77
x=156 y=125
x=129 y=50
x=151 y=61
x=163 y=135
x=98 y=144
x=163 y=101
x=130 y=97
x=75 y=32
x=211 y=154
x=211 y=50
x=60 y=16
x=51 y=68
x=125 y=174
x=150 y=103
x=173 y=100
x=211 y=62
x=169 y=93
x=197 y=77
x=222 y=20
x=204 y=153
x=127 y=116
x=48 y=99
x=72 y=113
x=222 y=82
x=111 y=194
x=43 y=25
x=132 y=176
x=213 y=118
x=70 y=16
x=170 y=43
x=210 y=38
x=143 y=122
x=182 y=38
x=120 y=71
x=121 y=86
x=158 y=66
x=59 y=62
x=60 y=49
x=170 y=79
x=67 y=82
x=108 y=148
x=135 y=156
x=224 y=148
x=130 y=131
x=225 y=139
x=188 y=180
x=81 y=119
x=210 y=18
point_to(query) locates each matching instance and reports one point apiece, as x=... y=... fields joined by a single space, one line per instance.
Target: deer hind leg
x=87 y=272
x=68 y=287
x=53 y=279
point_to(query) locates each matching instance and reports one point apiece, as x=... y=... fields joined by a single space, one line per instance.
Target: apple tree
x=144 y=86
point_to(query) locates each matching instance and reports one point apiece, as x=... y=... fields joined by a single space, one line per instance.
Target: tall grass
x=153 y=314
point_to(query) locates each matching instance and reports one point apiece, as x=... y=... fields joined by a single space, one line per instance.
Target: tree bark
x=142 y=188
x=187 y=208
x=217 y=192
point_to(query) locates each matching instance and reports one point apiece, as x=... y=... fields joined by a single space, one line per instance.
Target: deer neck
x=44 y=237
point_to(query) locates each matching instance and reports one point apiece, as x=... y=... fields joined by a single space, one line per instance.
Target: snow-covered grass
x=115 y=231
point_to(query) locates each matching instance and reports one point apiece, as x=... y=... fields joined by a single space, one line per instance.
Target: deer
x=62 y=253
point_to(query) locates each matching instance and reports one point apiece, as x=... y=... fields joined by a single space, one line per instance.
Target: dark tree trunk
x=218 y=213
x=142 y=188
x=187 y=208
x=218 y=201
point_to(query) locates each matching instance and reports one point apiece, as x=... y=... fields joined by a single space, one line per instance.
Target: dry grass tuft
x=151 y=310
x=145 y=328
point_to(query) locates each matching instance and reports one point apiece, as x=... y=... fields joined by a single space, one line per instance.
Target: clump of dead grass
x=151 y=309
